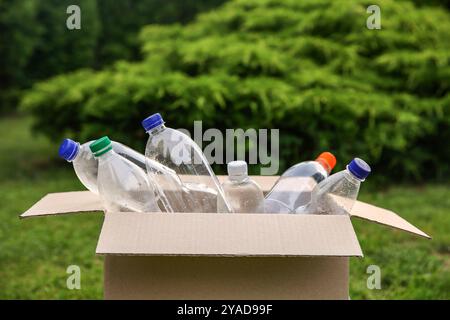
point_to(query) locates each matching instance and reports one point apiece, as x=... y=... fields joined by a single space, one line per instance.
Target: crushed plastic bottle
x=243 y=194
x=338 y=193
x=293 y=189
x=199 y=188
x=122 y=185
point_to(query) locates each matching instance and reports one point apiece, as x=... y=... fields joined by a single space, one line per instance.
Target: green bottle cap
x=100 y=146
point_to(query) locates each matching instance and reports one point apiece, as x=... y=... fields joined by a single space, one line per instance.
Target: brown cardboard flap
x=65 y=202
x=383 y=216
x=211 y=234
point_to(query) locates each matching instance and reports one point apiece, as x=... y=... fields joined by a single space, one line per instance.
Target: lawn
x=35 y=253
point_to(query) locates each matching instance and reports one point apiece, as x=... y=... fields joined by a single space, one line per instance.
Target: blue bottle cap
x=68 y=149
x=359 y=168
x=152 y=122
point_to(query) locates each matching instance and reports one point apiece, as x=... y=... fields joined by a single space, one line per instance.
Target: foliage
x=310 y=68
x=122 y=20
x=36 y=43
x=58 y=49
x=16 y=44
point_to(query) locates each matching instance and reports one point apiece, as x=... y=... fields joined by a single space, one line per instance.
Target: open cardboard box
x=224 y=256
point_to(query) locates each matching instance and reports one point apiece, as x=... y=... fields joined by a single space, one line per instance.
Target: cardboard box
x=224 y=256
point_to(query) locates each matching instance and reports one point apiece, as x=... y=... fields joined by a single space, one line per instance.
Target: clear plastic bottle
x=84 y=162
x=293 y=189
x=244 y=194
x=337 y=194
x=199 y=188
x=122 y=185
x=86 y=165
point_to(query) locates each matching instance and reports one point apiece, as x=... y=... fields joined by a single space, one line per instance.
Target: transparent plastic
x=334 y=195
x=293 y=189
x=86 y=165
x=124 y=186
x=193 y=186
x=244 y=196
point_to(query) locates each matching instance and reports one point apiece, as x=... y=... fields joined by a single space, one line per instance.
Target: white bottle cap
x=237 y=168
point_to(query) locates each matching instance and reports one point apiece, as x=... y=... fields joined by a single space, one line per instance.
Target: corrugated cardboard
x=134 y=277
x=236 y=256
x=64 y=203
x=385 y=217
x=212 y=234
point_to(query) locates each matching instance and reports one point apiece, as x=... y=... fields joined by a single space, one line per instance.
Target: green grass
x=411 y=267
x=35 y=253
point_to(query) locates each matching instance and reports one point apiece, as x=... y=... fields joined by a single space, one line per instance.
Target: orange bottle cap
x=327 y=160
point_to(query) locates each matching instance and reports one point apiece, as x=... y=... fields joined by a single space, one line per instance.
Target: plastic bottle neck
x=238 y=178
x=351 y=176
x=325 y=165
x=107 y=155
x=76 y=153
x=156 y=129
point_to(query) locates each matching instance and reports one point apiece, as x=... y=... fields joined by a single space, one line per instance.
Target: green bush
x=36 y=43
x=310 y=68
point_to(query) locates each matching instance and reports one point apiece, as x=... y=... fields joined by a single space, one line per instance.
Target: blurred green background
x=310 y=68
